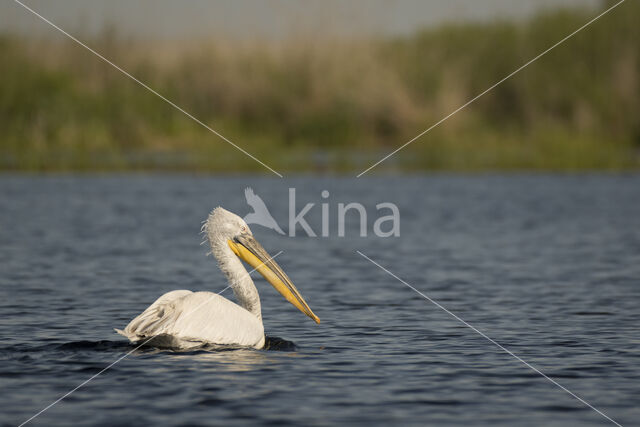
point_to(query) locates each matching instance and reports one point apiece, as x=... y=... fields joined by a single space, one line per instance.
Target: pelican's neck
x=239 y=279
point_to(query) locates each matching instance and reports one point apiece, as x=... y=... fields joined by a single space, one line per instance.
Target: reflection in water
x=225 y=357
x=238 y=360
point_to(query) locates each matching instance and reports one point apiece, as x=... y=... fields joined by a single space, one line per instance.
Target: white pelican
x=185 y=319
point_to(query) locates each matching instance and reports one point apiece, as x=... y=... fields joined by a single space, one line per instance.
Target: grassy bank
x=332 y=105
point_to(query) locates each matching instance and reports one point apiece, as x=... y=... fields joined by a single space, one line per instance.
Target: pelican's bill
x=247 y=248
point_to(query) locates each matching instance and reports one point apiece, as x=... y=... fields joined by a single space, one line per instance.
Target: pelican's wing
x=186 y=319
x=150 y=320
x=254 y=200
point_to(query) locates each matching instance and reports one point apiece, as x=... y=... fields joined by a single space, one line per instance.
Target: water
x=548 y=266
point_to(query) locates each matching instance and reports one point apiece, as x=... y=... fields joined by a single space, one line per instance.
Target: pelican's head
x=226 y=230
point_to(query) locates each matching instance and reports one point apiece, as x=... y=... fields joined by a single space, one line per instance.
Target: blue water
x=548 y=266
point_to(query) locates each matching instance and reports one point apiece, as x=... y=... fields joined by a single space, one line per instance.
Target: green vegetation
x=306 y=105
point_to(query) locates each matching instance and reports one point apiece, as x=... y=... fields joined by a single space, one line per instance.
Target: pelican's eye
x=243 y=229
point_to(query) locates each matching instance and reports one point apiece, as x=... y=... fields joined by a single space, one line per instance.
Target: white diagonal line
x=127 y=354
x=490 y=340
x=144 y=85
x=491 y=87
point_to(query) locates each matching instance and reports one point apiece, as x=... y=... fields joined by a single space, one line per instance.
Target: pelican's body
x=217 y=321
x=184 y=319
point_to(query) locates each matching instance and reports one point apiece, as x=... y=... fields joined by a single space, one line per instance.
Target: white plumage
x=185 y=319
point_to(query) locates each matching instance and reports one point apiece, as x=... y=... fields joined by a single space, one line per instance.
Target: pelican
x=185 y=319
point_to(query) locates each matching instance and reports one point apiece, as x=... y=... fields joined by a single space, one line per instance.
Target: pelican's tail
x=152 y=321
